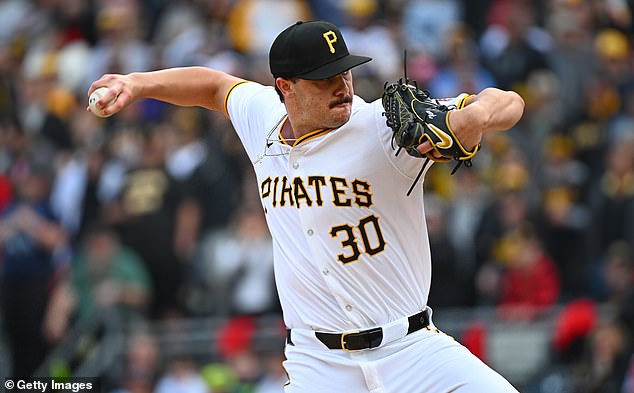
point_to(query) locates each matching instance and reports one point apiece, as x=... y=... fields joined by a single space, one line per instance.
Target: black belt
x=371 y=338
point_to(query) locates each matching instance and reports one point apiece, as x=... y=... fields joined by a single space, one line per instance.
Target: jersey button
x=348 y=307
x=295 y=165
x=310 y=232
x=326 y=272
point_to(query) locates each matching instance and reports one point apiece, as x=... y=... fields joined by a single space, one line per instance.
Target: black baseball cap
x=311 y=50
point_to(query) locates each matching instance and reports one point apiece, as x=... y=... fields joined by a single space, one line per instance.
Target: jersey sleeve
x=253 y=109
x=458 y=102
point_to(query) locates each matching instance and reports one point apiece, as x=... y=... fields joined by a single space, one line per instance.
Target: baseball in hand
x=94 y=97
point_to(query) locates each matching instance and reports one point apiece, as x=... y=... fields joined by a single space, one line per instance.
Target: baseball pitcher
x=352 y=256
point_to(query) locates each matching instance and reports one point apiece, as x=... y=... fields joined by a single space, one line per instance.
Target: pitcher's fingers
x=424 y=147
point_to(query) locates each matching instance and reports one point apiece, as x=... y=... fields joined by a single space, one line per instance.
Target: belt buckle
x=343 y=341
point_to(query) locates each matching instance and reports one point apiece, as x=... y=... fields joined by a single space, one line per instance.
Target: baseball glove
x=414 y=117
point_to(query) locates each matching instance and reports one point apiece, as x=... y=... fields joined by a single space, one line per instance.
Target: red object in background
x=6 y=192
x=474 y=338
x=236 y=336
x=532 y=288
x=575 y=321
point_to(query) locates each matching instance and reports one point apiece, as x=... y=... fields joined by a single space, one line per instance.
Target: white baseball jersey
x=351 y=252
x=350 y=249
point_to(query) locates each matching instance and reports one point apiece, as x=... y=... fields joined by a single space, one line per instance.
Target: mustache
x=343 y=100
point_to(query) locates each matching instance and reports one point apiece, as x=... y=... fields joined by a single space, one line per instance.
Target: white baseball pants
x=426 y=361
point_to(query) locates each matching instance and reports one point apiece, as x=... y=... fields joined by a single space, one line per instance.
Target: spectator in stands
x=446 y=290
x=612 y=197
x=529 y=282
x=468 y=201
x=181 y=376
x=622 y=125
x=239 y=266
x=461 y=69
x=149 y=216
x=573 y=325
x=505 y=213
x=78 y=195
x=603 y=366
x=425 y=24
x=189 y=150
x=571 y=57
x=235 y=344
x=367 y=35
x=513 y=46
x=508 y=207
x=139 y=369
x=564 y=230
x=119 y=45
x=34 y=253
x=105 y=275
x=252 y=28
x=613 y=275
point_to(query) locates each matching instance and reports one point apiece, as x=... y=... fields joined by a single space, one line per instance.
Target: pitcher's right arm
x=183 y=86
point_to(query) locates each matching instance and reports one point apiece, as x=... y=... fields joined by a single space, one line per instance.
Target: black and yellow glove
x=415 y=117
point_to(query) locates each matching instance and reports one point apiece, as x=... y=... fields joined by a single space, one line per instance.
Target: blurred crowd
x=155 y=212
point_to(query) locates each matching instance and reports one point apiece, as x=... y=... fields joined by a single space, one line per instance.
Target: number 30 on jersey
x=364 y=237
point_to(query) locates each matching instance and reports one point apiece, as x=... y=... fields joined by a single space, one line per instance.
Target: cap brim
x=336 y=67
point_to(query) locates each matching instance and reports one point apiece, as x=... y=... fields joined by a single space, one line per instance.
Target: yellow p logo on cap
x=330 y=38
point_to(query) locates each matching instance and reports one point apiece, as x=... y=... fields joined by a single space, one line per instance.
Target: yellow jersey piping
x=280 y=138
x=227 y=96
x=311 y=135
x=464 y=99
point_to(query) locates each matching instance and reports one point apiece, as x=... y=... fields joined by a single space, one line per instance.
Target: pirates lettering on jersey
x=306 y=192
